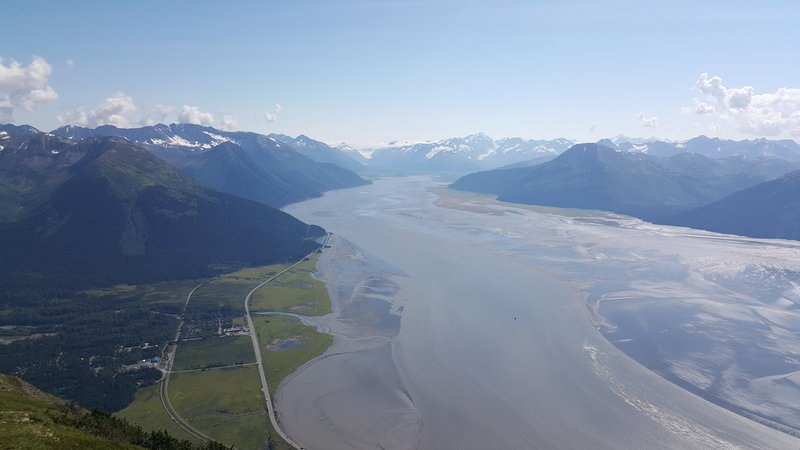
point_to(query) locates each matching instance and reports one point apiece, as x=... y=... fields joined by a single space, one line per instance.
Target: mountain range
x=248 y=165
x=479 y=152
x=459 y=155
x=593 y=176
x=649 y=178
x=713 y=147
x=105 y=210
x=321 y=152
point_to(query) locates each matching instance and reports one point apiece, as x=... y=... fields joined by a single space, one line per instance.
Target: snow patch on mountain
x=177 y=141
x=217 y=139
x=435 y=151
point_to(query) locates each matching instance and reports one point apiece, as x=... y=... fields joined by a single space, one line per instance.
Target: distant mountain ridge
x=265 y=170
x=320 y=151
x=713 y=147
x=470 y=153
x=593 y=176
x=480 y=152
x=466 y=154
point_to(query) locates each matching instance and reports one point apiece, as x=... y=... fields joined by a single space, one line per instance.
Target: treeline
x=76 y=346
x=79 y=343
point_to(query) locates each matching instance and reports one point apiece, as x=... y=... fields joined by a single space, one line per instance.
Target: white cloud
x=70 y=63
x=272 y=116
x=24 y=86
x=156 y=114
x=114 y=110
x=192 y=114
x=120 y=110
x=229 y=123
x=761 y=114
x=699 y=108
x=649 y=122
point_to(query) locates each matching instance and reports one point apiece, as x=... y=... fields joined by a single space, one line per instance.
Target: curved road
x=164 y=389
x=170 y=358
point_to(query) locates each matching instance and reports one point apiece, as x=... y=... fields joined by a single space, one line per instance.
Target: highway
x=257 y=347
x=169 y=357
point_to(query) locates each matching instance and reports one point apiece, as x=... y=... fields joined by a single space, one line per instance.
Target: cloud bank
x=766 y=114
x=122 y=111
x=24 y=86
x=193 y=115
x=116 y=110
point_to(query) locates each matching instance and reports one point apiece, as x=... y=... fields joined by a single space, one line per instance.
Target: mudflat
x=462 y=328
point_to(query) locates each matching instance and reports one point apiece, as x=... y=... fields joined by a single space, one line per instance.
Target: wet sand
x=495 y=348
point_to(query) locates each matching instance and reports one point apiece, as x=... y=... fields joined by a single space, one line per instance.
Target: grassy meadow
x=296 y=291
x=302 y=344
x=214 y=352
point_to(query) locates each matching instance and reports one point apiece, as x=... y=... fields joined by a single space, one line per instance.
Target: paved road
x=257 y=348
x=164 y=390
x=170 y=358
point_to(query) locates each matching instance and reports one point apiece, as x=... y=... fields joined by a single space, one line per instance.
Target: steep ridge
x=277 y=174
x=768 y=210
x=117 y=212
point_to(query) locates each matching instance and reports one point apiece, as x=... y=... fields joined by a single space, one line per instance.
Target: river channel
x=462 y=324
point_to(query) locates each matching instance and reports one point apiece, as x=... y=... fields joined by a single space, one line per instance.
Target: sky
x=372 y=71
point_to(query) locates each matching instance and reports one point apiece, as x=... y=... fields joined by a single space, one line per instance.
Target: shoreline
x=359 y=350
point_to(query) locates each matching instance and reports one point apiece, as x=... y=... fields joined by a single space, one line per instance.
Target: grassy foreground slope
x=31 y=419
x=147 y=412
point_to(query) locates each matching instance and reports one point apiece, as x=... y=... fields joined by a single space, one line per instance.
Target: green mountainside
x=101 y=212
x=31 y=419
x=113 y=212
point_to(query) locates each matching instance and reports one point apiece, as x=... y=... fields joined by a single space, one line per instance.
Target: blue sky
x=371 y=71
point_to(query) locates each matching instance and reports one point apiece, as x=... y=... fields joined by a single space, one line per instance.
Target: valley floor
x=211 y=387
